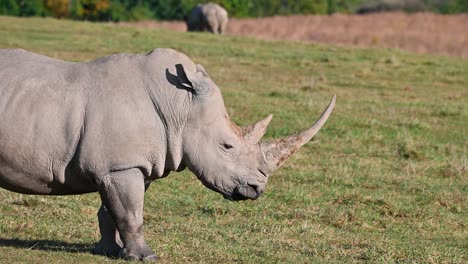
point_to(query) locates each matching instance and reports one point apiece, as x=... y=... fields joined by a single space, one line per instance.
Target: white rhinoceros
x=118 y=123
x=209 y=17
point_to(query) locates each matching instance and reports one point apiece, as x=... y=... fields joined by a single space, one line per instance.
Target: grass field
x=385 y=181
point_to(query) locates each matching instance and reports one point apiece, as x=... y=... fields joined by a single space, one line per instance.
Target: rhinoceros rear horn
x=277 y=151
x=194 y=81
x=254 y=132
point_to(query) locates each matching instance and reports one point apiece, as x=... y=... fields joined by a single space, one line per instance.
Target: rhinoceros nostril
x=261 y=172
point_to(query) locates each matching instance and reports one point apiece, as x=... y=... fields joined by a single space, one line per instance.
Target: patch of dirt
x=423 y=33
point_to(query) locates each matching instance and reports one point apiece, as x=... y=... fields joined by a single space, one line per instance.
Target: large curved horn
x=254 y=132
x=277 y=151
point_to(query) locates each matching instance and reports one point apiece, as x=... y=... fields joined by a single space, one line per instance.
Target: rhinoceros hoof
x=107 y=249
x=146 y=255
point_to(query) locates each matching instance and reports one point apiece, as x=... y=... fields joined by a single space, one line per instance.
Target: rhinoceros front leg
x=110 y=243
x=122 y=193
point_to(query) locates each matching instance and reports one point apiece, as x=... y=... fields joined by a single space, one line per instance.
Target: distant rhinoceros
x=118 y=123
x=209 y=17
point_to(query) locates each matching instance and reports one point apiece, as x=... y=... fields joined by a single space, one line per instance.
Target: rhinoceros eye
x=227 y=146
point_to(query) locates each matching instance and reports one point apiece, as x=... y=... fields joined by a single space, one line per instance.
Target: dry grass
x=423 y=33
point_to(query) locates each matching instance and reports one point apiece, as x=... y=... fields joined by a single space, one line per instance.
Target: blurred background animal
x=209 y=17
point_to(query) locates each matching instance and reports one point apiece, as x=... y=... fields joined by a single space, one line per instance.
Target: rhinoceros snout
x=250 y=191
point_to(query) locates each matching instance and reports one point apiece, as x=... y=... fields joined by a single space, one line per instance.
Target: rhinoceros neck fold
x=171 y=101
x=171 y=107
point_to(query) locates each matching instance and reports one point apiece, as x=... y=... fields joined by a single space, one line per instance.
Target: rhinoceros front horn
x=277 y=151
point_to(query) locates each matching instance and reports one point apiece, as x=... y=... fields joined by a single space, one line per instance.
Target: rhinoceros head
x=229 y=159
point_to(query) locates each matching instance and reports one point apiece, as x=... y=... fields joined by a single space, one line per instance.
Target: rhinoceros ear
x=201 y=69
x=194 y=81
x=183 y=78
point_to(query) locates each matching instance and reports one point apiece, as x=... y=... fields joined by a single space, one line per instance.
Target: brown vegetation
x=423 y=33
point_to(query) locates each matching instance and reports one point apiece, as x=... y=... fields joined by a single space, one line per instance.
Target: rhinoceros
x=116 y=124
x=209 y=17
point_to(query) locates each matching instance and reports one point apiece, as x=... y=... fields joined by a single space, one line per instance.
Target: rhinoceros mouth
x=246 y=192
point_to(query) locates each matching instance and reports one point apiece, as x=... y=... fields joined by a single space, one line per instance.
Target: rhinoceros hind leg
x=122 y=193
x=110 y=243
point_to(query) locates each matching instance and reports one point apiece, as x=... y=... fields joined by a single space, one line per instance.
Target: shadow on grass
x=47 y=245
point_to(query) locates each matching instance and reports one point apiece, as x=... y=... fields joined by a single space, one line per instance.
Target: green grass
x=386 y=180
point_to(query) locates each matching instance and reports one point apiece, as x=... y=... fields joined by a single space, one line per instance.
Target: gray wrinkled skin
x=208 y=17
x=118 y=123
